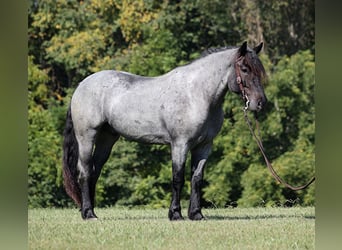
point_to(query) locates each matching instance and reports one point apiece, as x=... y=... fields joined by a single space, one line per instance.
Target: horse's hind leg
x=90 y=165
x=105 y=140
x=85 y=168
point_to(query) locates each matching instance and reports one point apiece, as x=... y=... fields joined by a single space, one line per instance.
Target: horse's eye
x=244 y=69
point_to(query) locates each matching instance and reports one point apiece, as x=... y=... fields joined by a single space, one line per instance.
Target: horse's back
x=148 y=109
x=103 y=84
x=107 y=79
x=127 y=102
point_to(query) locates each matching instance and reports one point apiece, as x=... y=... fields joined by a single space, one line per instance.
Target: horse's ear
x=243 y=49
x=258 y=48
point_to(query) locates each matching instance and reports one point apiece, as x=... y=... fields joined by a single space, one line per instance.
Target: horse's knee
x=178 y=175
x=197 y=179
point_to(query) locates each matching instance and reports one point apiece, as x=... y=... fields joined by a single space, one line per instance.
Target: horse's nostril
x=260 y=104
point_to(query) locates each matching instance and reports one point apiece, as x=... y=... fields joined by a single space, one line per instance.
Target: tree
x=288 y=26
x=44 y=151
x=69 y=40
x=290 y=133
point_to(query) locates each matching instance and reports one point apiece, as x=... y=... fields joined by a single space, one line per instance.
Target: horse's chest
x=210 y=127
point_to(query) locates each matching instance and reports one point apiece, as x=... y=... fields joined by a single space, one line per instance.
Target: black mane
x=250 y=59
x=253 y=61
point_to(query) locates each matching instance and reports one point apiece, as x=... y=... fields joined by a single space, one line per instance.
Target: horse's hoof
x=92 y=219
x=175 y=216
x=197 y=216
x=88 y=215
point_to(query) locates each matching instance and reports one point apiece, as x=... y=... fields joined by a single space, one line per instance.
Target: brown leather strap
x=269 y=165
x=238 y=78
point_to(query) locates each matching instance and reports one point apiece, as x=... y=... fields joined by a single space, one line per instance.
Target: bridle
x=258 y=139
x=240 y=83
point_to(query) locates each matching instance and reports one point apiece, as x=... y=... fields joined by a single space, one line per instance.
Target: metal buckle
x=247 y=102
x=238 y=80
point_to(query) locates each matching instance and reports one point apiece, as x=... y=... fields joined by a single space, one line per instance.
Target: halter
x=258 y=139
x=239 y=82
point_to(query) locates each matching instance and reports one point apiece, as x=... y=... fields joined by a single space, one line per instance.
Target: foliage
x=68 y=40
x=44 y=140
x=44 y=182
x=293 y=113
x=289 y=27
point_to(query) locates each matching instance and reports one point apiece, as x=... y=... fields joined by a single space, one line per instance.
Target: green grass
x=120 y=228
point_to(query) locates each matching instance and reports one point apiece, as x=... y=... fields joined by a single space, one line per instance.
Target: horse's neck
x=213 y=75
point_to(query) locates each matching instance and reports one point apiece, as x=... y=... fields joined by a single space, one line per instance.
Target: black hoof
x=196 y=216
x=174 y=216
x=88 y=214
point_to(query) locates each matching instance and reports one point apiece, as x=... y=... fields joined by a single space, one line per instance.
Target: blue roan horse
x=182 y=108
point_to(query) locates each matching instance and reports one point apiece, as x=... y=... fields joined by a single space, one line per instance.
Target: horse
x=182 y=109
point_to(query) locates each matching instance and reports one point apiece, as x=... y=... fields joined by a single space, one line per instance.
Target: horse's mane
x=251 y=59
x=209 y=51
x=214 y=50
x=254 y=63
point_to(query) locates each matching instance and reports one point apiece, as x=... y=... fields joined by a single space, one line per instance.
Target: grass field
x=119 y=228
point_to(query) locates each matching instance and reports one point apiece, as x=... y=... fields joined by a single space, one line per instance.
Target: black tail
x=70 y=158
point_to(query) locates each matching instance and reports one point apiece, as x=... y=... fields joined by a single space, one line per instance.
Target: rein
x=269 y=165
x=258 y=141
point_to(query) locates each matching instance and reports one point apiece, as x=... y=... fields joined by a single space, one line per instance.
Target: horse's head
x=249 y=75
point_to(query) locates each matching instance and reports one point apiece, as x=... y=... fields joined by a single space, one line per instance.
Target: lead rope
x=269 y=165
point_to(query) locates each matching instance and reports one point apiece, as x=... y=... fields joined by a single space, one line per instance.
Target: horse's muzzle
x=257 y=104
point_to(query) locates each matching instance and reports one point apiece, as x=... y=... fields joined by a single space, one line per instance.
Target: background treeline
x=69 y=39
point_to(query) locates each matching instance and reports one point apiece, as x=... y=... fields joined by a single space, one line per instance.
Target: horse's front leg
x=179 y=152
x=199 y=157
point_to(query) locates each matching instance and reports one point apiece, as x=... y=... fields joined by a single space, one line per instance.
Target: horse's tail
x=70 y=158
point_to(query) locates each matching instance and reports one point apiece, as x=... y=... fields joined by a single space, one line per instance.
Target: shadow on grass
x=258 y=217
x=147 y=215
x=211 y=217
x=136 y=218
